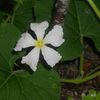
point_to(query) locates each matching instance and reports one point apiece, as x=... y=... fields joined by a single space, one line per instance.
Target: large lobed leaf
x=23 y=15
x=43 y=9
x=80 y=21
x=20 y=85
x=41 y=85
x=9 y=34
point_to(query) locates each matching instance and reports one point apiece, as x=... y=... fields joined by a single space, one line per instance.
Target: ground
x=69 y=69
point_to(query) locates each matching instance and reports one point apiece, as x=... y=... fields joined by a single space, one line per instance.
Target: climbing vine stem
x=82 y=58
x=81 y=80
x=13 y=15
x=94 y=7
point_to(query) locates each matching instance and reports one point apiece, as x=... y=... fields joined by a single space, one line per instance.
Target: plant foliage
x=44 y=84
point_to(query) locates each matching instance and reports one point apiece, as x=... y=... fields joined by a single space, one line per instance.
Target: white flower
x=54 y=38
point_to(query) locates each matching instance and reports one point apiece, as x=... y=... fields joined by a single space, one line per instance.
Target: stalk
x=79 y=81
x=82 y=59
x=13 y=16
x=94 y=7
x=60 y=10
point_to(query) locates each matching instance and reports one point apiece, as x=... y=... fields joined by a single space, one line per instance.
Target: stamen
x=39 y=43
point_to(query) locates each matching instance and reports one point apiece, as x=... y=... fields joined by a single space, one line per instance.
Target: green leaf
x=92 y=93
x=4 y=64
x=88 y=98
x=80 y=21
x=9 y=34
x=41 y=85
x=19 y=1
x=15 y=56
x=20 y=85
x=70 y=98
x=23 y=15
x=98 y=96
x=43 y=9
x=2 y=16
x=97 y=2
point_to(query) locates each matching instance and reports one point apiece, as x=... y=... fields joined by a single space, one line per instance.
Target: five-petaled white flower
x=54 y=38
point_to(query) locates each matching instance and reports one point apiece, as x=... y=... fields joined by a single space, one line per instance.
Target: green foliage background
x=44 y=84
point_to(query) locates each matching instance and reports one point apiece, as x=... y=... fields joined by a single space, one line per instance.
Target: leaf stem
x=14 y=72
x=13 y=15
x=97 y=68
x=79 y=81
x=7 y=20
x=81 y=59
x=94 y=7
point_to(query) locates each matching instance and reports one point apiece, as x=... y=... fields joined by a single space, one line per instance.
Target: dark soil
x=70 y=70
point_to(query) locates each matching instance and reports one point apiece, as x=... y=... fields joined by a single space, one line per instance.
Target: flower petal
x=32 y=59
x=55 y=36
x=51 y=56
x=25 y=41
x=39 y=28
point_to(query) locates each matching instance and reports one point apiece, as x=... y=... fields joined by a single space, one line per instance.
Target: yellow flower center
x=39 y=43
